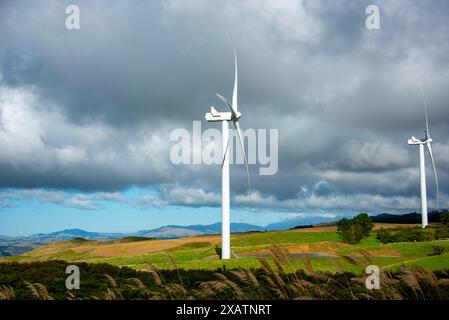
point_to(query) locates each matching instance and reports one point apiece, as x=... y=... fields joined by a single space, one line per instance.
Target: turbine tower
x=422 y=165
x=224 y=117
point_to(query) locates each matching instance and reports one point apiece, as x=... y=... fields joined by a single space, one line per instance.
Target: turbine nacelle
x=215 y=116
x=416 y=141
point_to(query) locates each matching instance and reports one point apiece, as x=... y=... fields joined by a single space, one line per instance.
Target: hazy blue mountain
x=68 y=234
x=18 y=245
x=173 y=231
x=301 y=221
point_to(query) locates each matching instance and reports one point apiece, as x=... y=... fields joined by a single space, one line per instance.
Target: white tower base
x=225 y=198
x=422 y=175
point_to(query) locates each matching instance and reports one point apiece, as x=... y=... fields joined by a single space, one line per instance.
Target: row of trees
x=401 y=234
x=355 y=229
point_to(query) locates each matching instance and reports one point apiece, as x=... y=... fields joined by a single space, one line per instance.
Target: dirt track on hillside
x=142 y=247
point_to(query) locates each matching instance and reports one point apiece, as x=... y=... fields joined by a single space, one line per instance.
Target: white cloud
x=294 y=20
x=348 y=202
x=70 y=155
x=110 y=196
x=189 y=197
x=83 y=201
x=375 y=155
x=256 y=198
x=296 y=215
x=291 y=18
x=359 y=201
x=45 y=196
x=40 y=145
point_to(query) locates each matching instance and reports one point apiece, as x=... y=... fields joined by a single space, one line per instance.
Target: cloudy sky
x=86 y=115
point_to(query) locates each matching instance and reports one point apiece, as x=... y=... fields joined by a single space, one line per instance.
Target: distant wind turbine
x=234 y=116
x=422 y=166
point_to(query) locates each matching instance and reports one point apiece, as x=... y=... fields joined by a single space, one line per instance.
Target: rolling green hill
x=317 y=249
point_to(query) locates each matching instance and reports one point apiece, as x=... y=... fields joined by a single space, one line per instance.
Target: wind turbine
x=422 y=166
x=224 y=117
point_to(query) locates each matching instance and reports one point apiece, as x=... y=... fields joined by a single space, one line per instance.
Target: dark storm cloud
x=345 y=99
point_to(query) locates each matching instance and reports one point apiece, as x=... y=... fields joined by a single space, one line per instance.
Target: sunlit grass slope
x=318 y=250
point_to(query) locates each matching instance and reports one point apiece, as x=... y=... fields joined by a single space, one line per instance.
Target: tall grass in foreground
x=277 y=280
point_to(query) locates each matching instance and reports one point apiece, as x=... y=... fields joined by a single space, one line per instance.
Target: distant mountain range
x=173 y=231
x=301 y=221
x=10 y=246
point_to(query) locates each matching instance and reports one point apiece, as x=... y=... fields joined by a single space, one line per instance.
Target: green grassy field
x=335 y=256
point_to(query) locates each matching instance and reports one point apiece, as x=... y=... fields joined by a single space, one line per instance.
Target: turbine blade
x=226 y=103
x=423 y=97
x=214 y=111
x=237 y=127
x=225 y=153
x=234 y=92
x=429 y=147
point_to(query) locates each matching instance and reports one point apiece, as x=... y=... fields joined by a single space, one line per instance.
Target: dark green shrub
x=442 y=232
x=354 y=230
x=437 y=250
x=364 y=223
x=444 y=218
x=405 y=234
